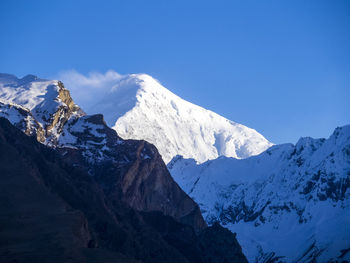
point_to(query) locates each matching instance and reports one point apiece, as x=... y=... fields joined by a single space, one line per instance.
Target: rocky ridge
x=45 y=109
x=53 y=211
x=120 y=175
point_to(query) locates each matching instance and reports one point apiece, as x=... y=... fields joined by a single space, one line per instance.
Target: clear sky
x=280 y=67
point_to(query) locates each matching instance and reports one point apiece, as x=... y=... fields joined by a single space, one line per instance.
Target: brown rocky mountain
x=52 y=211
x=91 y=196
x=128 y=170
x=134 y=172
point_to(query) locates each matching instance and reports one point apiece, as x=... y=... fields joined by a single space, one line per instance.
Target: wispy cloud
x=87 y=89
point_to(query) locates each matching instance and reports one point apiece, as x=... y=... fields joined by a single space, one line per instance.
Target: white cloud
x=86 y=90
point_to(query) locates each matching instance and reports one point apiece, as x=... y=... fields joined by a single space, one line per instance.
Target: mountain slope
x=139 y=107
x=53 y=211
x=130 y=170
x=122 y=187
x=41 y=215
x=290 y=203
x=43 y=106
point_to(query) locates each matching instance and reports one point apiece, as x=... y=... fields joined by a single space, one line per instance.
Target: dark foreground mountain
x=52 y=211
x=91 y=196
x=127 y=170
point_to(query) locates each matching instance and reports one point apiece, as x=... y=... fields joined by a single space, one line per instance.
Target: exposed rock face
x=43 y=106
x=62 y=114
x=109 y=183
x=23 y=119
x=131 y=170
x=145 y=184
x=52 y=211
x=40 y=220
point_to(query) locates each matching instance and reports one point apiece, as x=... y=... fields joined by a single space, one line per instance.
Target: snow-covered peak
x=137 y=106
x=37 y=106
x=29 y=92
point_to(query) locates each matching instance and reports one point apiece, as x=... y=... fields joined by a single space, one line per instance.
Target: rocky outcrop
x=112 y=184
x=41 y=106
x=62 y=114
x=23 y=119
x=131 y=170
x=145 y=184
x=39 y=220
x=53 y=210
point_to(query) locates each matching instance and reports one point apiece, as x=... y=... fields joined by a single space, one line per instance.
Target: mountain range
x=290 y=203
x=289 y=193
x=74 y=191
x=287 y=203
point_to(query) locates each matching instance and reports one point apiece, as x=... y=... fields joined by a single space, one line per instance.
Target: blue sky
x=280 y=67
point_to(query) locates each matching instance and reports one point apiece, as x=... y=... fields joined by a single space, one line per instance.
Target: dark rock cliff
x=131 y=171
x=55 y=208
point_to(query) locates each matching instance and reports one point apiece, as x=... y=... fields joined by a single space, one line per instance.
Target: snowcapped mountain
x=90 y=196
x=37 y=106
x=289 y=203
x=138 y=107
x=44 y=109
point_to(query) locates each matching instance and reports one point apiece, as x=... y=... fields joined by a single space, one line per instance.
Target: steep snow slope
x=290 y=202
x=139 y=107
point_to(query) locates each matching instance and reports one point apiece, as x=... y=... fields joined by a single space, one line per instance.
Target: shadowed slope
x=52 y=211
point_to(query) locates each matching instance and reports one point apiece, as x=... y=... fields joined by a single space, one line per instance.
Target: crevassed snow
x=293 y=201
x=139 y=107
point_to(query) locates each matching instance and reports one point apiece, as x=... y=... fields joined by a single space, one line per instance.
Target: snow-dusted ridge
x=130 y=170
x=37 y=105
x=138 y=107
x=291 y=202
x=45 y=109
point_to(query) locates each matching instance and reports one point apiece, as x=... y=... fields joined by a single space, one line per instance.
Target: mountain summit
x=139 y=107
